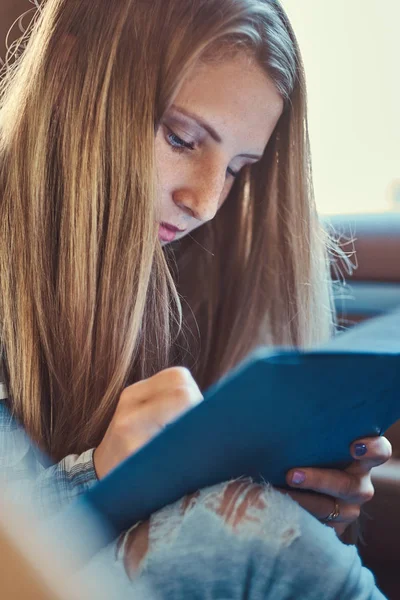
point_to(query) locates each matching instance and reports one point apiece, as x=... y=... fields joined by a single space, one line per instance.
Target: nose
x=201 y=197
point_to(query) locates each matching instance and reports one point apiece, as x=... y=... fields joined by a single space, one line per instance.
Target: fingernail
x=360 y=449
x=298 y=477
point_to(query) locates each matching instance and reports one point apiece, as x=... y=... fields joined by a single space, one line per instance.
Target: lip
x=171 y=227
x=168 y=232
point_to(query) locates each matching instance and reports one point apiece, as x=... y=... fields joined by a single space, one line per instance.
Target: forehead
x=237 y=97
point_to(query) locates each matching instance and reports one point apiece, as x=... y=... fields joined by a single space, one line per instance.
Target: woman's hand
x=351 y=487
x=145 y=408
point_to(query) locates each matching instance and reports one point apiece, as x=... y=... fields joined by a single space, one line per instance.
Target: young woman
x=157 y=222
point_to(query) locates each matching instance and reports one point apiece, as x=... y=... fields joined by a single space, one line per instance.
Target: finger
x=321 y=506
x=135 y=427
x=339 y=484
x=339 y=528
x=369 y=453
x=155 y=415
x=175 y=380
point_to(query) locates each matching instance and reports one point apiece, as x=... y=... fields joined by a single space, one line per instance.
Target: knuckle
x=132 y=394
x=354 y=512
x=185 y=398
x=346 y=487
x=368 y=493
x=381 y=449
x=178 y=376
x=181 y=396
x=181 y=386
x=388 y=450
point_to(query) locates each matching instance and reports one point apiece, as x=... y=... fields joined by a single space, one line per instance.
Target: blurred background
x=351 y=50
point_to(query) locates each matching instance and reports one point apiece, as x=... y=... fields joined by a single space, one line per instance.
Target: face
x=221 y=121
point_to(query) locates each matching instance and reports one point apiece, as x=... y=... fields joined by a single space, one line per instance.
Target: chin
x=177 y=238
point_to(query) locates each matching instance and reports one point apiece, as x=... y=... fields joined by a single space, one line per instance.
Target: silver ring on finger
x=334 y=514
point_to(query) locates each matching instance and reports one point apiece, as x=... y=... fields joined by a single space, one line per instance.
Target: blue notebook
x=275 y=411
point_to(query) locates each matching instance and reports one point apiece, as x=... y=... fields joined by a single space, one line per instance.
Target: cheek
x=173 y=172
x=165 y=170
x=163 y=160
x=225 y=193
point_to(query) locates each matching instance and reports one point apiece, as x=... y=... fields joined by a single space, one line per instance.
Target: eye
x=233 y=173
x=178 y=143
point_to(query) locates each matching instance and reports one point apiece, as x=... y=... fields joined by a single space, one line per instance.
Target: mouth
x=168 y=232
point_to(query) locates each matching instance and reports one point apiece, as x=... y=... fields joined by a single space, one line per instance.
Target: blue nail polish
x=360 y=449
x=298 y=477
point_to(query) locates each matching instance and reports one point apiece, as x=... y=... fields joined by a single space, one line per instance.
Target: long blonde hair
x=89 y=301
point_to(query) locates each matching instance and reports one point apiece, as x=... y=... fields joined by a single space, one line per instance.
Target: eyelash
x=180 y=146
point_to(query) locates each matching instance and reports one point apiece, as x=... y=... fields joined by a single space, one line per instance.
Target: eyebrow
x=210 y=130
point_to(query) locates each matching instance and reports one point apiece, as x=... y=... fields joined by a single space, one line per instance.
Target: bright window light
x=351 y=51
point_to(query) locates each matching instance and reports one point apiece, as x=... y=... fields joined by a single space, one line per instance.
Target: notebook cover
x=277 y=410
